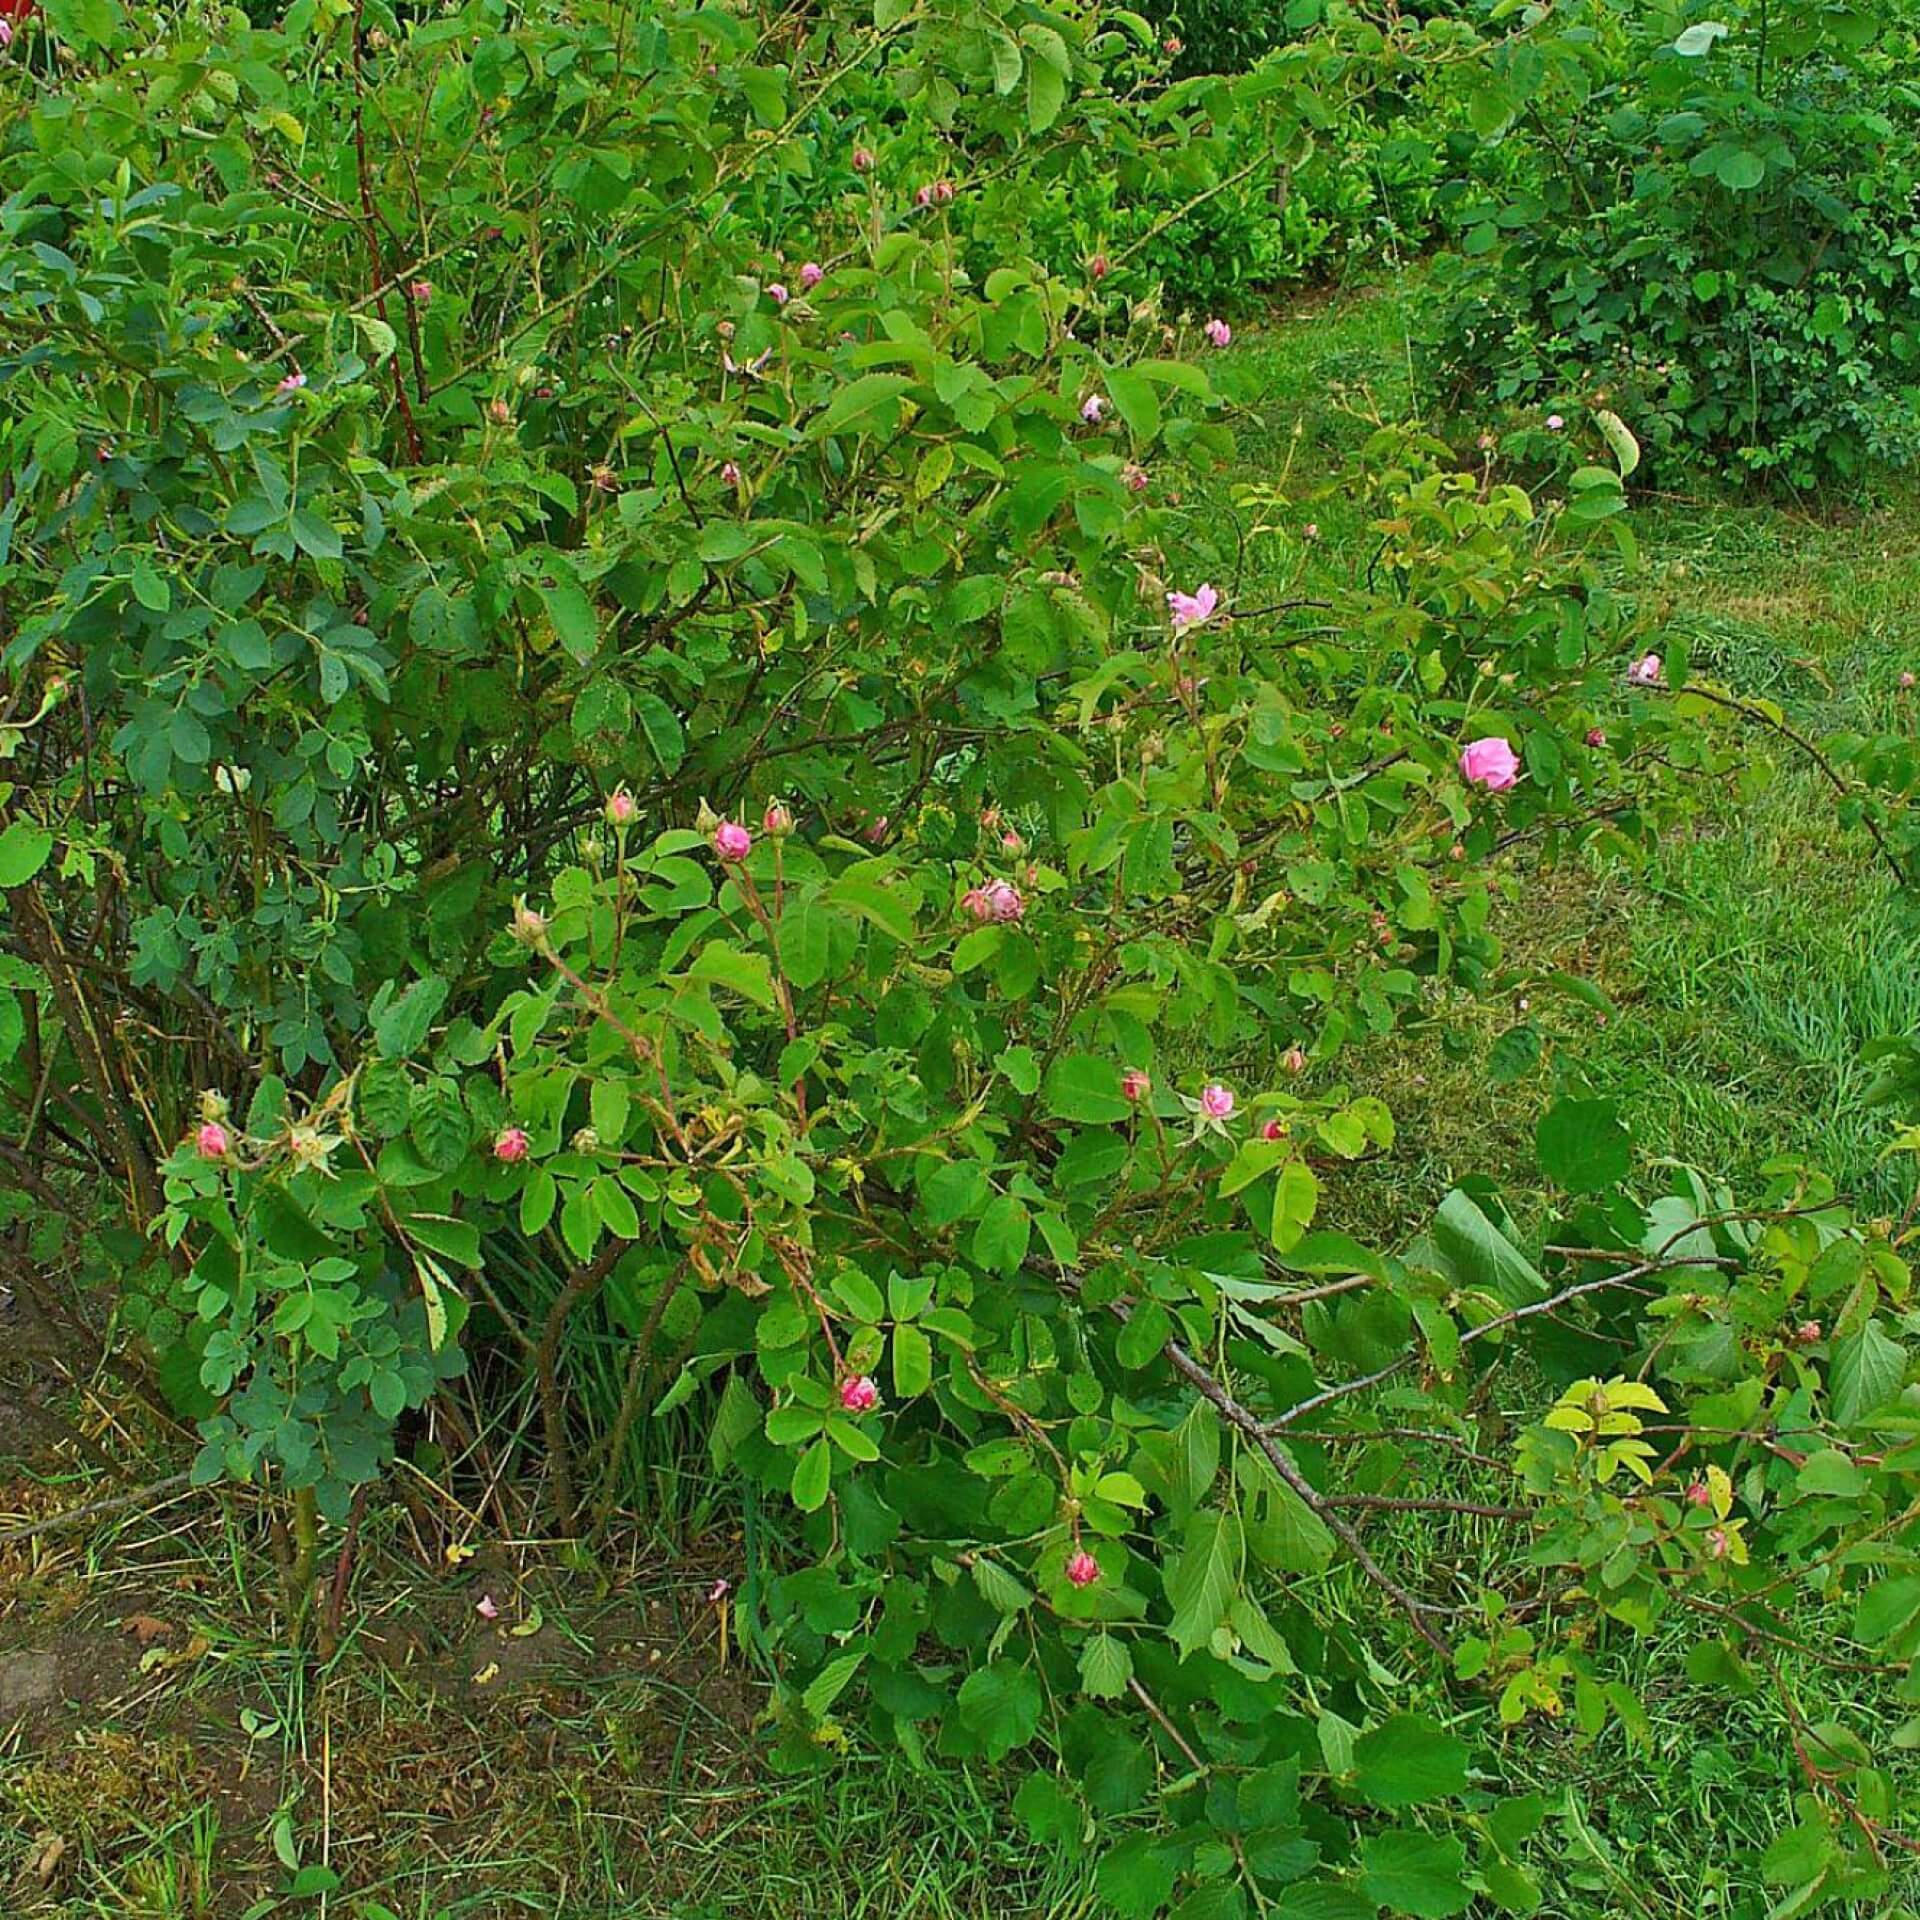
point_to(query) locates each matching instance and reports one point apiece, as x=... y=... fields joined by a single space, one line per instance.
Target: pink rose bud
x=1554 y=423
x=863 y=161
x=1719 y=1543
x=731 y=841
x=1596 y=737
x=858 y=1394
x=777 y=293
x=1134 y=1084
x=1091 y=409
x=942 y=192
x=1645 y=672
x=730 y=473
x=923 y=197
x=529 y=925
x=812 y=274
x=1082 y=1568
x=725 y=329
x=1906 y=681
x=621 y=808
x=1099 y=266
x=1485 y=443
x=1136 y=479
x=1190 y=609
x=500 y=412
x=1012 y=842
x=975 y=904
x=1274 y=1130
x=1699 y=1494
x=777 y=820
x=1490 y=763
x=212 y=1141
x=420 y=292
x=1218 y=332
x=1294 y=1060
x=510 y=1143
x=1216 y=1101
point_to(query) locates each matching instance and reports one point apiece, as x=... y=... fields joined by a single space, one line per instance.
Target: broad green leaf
x=1204 y=1579
x=1583 y=1147
x=23 y=852
x=1407 y=1761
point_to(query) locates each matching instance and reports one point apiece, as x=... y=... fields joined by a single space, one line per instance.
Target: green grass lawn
x=605 y=1766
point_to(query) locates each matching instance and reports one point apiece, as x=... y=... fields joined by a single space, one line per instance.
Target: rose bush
x=605 y=748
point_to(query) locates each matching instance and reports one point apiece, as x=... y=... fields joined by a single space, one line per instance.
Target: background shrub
x=1716 y=235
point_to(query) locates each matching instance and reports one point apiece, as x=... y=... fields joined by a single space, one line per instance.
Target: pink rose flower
x=1190 y=609
x=1134 y=1084
x=420 y=292
x=777 y=293
x=1554 y=423
x=1906 y=680
x=1274 y=1130
x=858 y=1394
x=1082 y=1568
x=1218 y=332
x=212 y=1141
x=511 y=1143
x=1216 y=1101
x=1645 y=672
x=731 y=841
x=1092 y=408
x=1136 y=479
x=1596 y=737
x=1490 y=763
x=812 y=274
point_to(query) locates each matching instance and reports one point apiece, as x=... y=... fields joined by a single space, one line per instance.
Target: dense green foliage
x=619 y=732
x=1715 y=233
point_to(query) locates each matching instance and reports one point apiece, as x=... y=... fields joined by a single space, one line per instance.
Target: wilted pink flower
x=1275 y=1129
x=1092 y=408
x=998 y=900
x=1907 y=681
x=1082 y=1568
x=1189 y=609
x=863 y=160
x=1807 y=1332
x=1490 y=763
x=1486 y=443
x=858 y=1394
x=719 y=1590
x=777 y=293
x=487 y=1607
x=812 y=274
x=212 y=1141
x=777 y=820
x=1699 y=1494
x=1136 y=479
x=1645 y=672
x=293 y=382
x=1216 y=1101
x=1218 y=332
x=1596 y=737
x=877 y=831
x=621 y=808
x=1311 y=531
x=730 y=473
x=510 y=1143
x=1719 y=1543
x=731 y=841
x=1134 y=1084
x=1554 y=423
x=420 y=292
